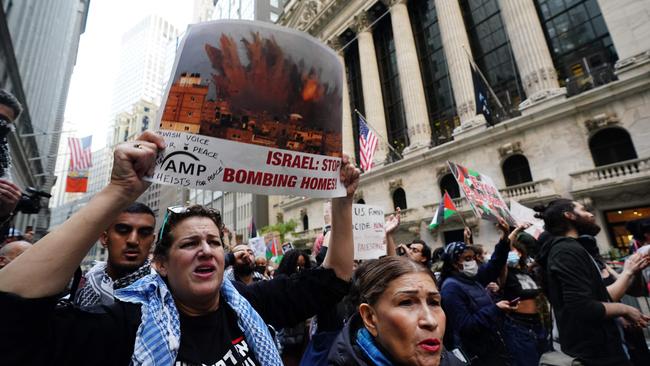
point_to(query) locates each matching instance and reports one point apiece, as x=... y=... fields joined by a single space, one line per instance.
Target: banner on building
x=80 y=163
x=523 y=215
x=481 y=193
x=253 y=107
x=368 y=232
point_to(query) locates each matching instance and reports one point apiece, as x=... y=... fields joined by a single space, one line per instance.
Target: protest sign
x=286 y=247
x=258 y=246
x=252 y=107
x=524 y=214
x=481 y=193
x=368 y=232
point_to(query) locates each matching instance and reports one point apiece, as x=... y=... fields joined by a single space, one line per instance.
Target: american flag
x=367 y=144
x=80 y=155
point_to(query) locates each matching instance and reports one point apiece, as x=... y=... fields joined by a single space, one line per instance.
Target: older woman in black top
x=186 y=314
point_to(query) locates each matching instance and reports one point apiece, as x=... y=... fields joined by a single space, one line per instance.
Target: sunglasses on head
x=176 y=210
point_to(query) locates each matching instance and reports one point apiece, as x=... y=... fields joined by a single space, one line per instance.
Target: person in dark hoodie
x=586 y=317
x=475 y=320
x=399 y=318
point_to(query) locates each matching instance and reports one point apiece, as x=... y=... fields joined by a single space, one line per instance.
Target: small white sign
x=258 y=246
x=523 y=214
x=368 y=231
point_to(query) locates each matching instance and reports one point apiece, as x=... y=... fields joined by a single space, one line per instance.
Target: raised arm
x=635 y=263
x=392 y=224
x=45 y=269
x=340 y=254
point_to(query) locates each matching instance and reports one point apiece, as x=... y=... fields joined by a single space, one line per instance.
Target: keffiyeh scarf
x=99 y=287
x=158 y=337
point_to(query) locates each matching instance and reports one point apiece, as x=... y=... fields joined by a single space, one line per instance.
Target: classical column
x=456 y=46
x=372 y=97
x=628 y=23
x=531 y=52
x=346 y=130
x=415 y=104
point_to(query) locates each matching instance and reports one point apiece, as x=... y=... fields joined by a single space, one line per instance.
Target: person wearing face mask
x=474 y=321
x=524 y=332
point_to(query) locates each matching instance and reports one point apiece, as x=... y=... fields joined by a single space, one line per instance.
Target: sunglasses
x=177 y=210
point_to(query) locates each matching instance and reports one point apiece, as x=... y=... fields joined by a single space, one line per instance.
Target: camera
x=30 y=202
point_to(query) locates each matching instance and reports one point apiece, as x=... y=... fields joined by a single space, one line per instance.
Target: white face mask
x=470 y=268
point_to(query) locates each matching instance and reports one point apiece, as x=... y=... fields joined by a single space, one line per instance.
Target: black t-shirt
x=213 y=339
x=520 y=284
x=35 y=332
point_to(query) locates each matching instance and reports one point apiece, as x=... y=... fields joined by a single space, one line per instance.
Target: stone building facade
x=571 y=96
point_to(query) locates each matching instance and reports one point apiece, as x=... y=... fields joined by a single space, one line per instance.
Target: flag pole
x=475 y=66
x=378 y=134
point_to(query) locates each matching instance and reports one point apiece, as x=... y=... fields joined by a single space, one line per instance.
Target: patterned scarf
x=370 y=349
x=158 y=337
x=99 y=287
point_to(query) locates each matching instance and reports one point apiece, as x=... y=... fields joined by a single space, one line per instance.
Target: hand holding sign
x=349 y=176
x=132 y=161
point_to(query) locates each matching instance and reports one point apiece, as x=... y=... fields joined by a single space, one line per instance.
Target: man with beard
x=128 y=241
x=243 y=265
x=586 y=318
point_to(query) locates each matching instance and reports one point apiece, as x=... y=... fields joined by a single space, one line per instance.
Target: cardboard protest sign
x=253 y=107
x=258 y=246
x=481 y=193
x=524 y=214
x=368 y=232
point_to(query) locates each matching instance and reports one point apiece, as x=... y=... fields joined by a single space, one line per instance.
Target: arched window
x=361 y=201
x=611 y=145
x=516 y=170
x=448 y=184
x=145 y=123
x=305 y=222
x=399 y=199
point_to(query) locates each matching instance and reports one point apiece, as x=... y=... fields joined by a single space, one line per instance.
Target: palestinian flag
x=445 y=210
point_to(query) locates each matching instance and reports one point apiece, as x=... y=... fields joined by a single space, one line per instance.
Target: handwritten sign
x=368 y=232
x=253 y=107
x=524 y=214
x=481 y=193
x=258 y=246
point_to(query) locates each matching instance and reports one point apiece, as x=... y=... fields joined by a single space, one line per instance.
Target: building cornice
x=582 y=103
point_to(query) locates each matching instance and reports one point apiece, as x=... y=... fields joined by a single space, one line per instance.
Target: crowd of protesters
x=189 y=295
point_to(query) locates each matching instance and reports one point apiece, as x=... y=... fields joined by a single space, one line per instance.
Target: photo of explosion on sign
x=481 y=193
x=257 y=86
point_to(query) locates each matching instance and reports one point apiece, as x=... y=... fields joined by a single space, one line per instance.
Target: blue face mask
x=513 y=259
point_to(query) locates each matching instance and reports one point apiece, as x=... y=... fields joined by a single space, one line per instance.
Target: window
x=399 y=199
x=305 y=222
x=275 y=3
x=579 y=41
x=516 y=170
x=361 y=201
x=355 y=88
x=448 y=184
x=390 y=85
x=611 y=145
x=433 y=65
x=274 y=17
x=145 y=123
x=492 y=53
